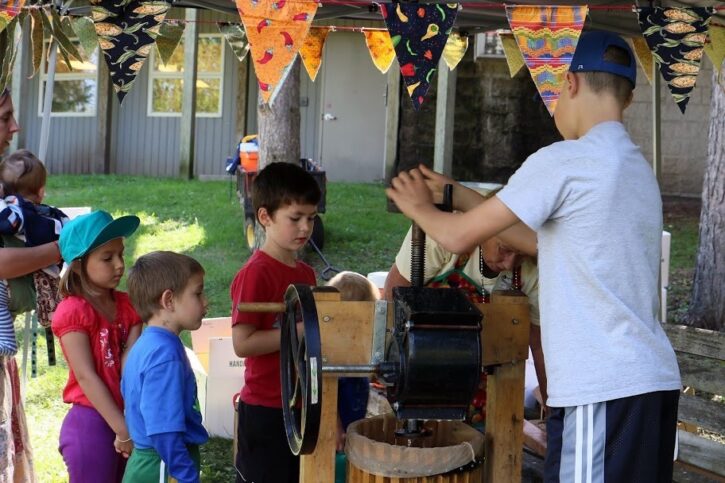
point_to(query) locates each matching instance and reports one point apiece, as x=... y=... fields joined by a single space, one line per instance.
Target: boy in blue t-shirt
x=158 y=385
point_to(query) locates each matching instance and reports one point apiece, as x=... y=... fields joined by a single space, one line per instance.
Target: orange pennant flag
x=276 y=30
x=381 y=48
x=311 y=50
x=9 y=9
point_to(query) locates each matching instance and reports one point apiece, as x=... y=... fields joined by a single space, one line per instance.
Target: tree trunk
x=707 y=308
x=279 y=124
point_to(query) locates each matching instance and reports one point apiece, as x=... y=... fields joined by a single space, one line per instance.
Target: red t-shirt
x=264 y=279
x=108 y=341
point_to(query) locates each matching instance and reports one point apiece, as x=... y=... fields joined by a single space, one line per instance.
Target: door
x=352 y=109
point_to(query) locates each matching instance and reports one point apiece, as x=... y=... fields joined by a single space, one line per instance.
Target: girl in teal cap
x=96 y=325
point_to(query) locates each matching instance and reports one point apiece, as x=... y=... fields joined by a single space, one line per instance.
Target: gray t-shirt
x=596 y=207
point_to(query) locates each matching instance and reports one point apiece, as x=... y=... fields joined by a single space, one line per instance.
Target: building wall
x=684 y=136
x=140 y=144
x=498 y=122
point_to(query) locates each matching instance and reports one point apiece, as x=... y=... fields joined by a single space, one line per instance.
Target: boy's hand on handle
x=436 y=182
x=410 y=193
x=123 y=446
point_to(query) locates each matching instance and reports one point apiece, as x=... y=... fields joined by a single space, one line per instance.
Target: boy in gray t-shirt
x=592 y=205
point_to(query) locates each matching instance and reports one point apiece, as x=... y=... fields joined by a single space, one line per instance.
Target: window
x=488 y=44
x=166 y=82
x=75 y=89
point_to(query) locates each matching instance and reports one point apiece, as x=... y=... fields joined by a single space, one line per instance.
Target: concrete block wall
x=684 y=136
x=499 y=121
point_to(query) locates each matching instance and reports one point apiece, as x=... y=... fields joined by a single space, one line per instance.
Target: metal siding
x=72 y=139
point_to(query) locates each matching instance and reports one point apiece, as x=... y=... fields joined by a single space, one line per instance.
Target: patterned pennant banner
x=126 y=33
x=236 y=37
x=275 y=29
x=715 y=49
x=8 y=52
x=455 y=49
x=547 y=38
x=311 y=50
x=381 y=48
x=86 y=32
x=170 y=33
x=643 y=54
x=9 y=9
x=419 y=33
x=676 y=37
x=511 y=50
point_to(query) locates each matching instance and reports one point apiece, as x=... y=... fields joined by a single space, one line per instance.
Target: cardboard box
x=224 y=382
x=210 y=328
x=219 y=374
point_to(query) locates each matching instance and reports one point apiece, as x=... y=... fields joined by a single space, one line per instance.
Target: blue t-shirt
x=159 y=390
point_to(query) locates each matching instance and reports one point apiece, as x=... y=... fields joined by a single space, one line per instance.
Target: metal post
x=48 y=101
x=445 y=110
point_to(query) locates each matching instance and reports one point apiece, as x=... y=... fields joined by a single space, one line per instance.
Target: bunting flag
x=715 y=49
x=381 y=48
x=547 y=38
x=9 y=9
x=8 y=51
x=511 y=50
x=643 y=54
x=236 y=37
x=676 y=37
x=311 y=50
x=126 y=33
x=84 y=29
x=276 y=30
x=168 y=39
x=455 y=49
x=419 y=33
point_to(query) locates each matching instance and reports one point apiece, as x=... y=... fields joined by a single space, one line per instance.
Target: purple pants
x=86 y=443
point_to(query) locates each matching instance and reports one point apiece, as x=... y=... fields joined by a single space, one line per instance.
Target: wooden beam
x=188 y=103
x=701 y=453
x=504 y=424
x=320 y=465
x=696 y=341
x=242 y=81
x=392 y=120
x=445 y=114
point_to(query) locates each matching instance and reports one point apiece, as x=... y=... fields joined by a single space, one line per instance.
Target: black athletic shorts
x=624 y=440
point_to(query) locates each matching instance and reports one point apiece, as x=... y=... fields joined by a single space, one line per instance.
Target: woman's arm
x=80 y=359
x=16 y=262
x=538 y=354
x=394 y=279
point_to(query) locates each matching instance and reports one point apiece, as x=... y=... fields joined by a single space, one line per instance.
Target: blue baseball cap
x=589 y=55
x=87 y=232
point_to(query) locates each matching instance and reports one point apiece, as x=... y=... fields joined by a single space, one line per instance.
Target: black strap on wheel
x=301 y=370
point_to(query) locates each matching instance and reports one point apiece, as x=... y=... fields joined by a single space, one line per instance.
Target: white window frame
x=63 y=76
x=180 y=75
x=479 y=47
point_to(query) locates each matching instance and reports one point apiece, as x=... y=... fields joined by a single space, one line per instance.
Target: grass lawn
x=205 y=221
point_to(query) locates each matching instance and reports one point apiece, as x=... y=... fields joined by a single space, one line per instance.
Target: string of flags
x=541 y=38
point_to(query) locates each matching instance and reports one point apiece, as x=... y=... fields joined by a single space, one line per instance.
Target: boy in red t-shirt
x=285 y=201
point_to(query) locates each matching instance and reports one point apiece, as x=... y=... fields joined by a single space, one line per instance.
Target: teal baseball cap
x=87 y=232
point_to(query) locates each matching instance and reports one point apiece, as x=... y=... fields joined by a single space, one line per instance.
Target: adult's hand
x=410 y=193
x=436 y=182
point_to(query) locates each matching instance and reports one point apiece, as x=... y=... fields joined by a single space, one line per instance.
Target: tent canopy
x=489 y=16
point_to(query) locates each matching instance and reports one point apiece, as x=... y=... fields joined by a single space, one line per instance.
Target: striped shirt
x=8 y=343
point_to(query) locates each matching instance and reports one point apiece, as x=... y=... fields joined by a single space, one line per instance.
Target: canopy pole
x=445 y=110
x=48 y=101
x=187 y=125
